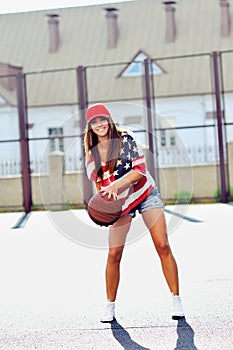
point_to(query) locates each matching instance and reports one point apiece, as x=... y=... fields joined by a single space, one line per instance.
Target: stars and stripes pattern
x=131 y=159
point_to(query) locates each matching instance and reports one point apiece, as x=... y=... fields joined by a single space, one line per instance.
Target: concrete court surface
x=52 y=288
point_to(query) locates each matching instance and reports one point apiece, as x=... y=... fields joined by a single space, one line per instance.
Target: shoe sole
x=178 y=317
x=109 y=321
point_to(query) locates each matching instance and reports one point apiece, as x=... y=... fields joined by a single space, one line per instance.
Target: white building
x=48 y=46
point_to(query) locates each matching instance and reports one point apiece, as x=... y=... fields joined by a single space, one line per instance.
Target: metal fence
x=44 y=111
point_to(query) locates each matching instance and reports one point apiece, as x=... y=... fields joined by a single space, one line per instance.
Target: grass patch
x=183 y=197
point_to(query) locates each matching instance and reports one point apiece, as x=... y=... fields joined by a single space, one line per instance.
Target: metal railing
x=198 y=156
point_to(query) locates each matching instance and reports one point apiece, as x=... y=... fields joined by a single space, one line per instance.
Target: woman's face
x=100 y=126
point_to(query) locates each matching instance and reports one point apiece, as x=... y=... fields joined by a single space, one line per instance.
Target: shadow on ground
x=185 y=338
x=185 y=334
x=124 y=339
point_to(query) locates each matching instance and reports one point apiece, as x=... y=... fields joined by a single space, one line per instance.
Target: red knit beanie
x=96 y=110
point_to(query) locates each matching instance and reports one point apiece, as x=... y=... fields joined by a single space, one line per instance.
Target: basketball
x=104 y=211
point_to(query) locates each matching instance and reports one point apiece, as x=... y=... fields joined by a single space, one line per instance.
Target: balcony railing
x=195 y=155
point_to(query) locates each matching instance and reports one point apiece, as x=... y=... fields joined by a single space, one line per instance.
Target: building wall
x=203 y=184
x=182 y=111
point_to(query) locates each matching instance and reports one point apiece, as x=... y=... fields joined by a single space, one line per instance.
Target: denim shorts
x=152 y=201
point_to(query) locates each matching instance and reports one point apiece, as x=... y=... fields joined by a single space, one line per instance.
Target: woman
x=115 y=162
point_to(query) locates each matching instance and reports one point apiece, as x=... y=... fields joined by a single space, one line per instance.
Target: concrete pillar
x=56 y=192
x=145 y=150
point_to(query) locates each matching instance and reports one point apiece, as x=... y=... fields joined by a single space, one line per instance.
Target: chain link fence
x=44 y=116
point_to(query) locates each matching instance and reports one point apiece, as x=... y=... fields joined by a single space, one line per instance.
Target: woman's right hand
x=110 y=191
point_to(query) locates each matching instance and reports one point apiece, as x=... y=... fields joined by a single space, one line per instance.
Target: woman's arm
x=122 y=183
x=98 y=186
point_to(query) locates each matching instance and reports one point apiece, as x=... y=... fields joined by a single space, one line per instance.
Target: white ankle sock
x=177 y=306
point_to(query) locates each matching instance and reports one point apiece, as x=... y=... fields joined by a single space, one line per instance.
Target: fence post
x=148 y=96
x=219 y=115
x=24 y=148
x=82 y=100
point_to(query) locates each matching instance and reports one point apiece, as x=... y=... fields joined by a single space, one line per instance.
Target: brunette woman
x=116 y=163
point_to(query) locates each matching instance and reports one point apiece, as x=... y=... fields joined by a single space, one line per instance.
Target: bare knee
x=114 y=256
x=163 y=249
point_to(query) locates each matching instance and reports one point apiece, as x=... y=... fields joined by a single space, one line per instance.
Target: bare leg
x=155 y=221
x=117 y=237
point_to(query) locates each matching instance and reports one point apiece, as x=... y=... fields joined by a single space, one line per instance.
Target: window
x=172 y=140
x=163 y=137
x=136 y=67
x=56 y=143
x=167 y=133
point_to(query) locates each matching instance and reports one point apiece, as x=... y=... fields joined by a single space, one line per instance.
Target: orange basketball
x=104 y=211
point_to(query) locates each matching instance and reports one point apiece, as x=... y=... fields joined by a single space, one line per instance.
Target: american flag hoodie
x=131 y=159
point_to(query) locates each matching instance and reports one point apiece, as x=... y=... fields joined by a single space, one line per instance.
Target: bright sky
x=10 y=6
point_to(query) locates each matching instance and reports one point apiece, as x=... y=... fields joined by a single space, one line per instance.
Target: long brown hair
x=91 y=146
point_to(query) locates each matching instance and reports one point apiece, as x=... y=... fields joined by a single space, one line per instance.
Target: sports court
x=52 y=286
x=169 y=82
